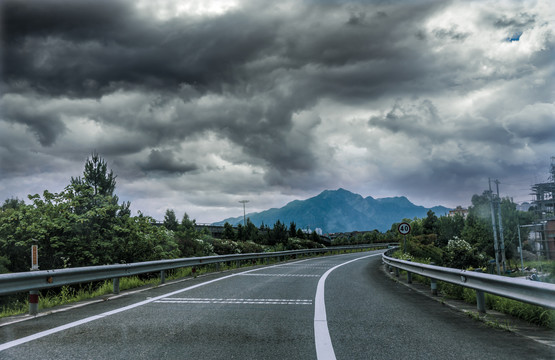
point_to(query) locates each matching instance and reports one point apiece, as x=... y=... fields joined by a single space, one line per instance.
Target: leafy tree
x=12 y=203
x=371 y=237
x=4 y=263
x=80 y=226
x=448 y=228
x=416 y=227
x=251 y=231
x=187 y=223
x=315 y=237
x=478 y=232
x=15 y=239
x=430 y=223
x=170 y=220
x=279 y=233
x=186 y=237
x=97 y=177
x=229 y=233
x=241 y=232
x=292 y=229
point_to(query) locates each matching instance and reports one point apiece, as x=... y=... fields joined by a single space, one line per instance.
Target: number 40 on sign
x=404 y=228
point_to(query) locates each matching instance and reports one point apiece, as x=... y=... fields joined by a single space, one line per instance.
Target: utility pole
x=520 y=246
x=495 y=245
x=244 y=214
x=503 y=259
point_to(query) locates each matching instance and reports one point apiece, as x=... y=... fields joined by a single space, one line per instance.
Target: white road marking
x=234 y=301
x=322 y=339
x=284 y=275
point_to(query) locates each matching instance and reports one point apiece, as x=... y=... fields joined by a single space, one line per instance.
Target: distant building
x=309 y=231
x=458 y=210
x=544 y=194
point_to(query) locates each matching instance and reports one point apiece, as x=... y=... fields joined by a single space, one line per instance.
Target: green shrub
x=459 y=254
x=531 y=313
x=248 y=247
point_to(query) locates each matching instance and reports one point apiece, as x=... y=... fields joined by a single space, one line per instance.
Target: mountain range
x=341 y=211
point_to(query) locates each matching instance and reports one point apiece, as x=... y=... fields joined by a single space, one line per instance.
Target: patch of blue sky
x=515 y=37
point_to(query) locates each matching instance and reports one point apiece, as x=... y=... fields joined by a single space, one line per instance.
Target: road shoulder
x=491 y=318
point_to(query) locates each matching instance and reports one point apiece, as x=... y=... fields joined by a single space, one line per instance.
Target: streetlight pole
x=244 y=214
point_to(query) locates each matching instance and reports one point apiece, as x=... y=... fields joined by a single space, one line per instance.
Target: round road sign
x=404 y=228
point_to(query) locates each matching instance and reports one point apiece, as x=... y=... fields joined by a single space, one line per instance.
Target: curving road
x=335 y=307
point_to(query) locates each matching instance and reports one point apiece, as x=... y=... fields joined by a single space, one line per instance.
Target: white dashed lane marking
x=234 y=301
x=284 y=275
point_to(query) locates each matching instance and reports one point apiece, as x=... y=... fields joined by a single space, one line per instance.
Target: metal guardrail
x=33 y=281
x=531 y=292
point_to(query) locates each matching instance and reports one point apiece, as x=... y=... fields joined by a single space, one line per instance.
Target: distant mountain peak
x=341 y=211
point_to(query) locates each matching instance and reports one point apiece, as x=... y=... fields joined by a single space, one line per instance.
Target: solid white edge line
x=322 y=339
x=70 y=325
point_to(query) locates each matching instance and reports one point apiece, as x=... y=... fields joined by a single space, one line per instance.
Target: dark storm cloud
x=282 y=94
x=165 y=161
x=86 y=48
x=44 y=123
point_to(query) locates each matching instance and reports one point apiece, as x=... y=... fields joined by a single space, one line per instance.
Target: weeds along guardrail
x=531 y=292
x=33 y=281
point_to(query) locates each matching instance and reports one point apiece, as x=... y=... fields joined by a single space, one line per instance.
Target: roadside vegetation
x=467 y=243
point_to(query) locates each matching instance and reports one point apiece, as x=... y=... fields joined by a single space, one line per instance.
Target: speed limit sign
x=404 y=228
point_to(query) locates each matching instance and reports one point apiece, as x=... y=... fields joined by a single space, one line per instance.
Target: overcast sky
x=198 y=104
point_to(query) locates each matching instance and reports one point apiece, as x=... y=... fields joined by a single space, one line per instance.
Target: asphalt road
x=322 y=308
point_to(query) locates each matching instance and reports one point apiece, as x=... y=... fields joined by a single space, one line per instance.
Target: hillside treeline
x=86 y=225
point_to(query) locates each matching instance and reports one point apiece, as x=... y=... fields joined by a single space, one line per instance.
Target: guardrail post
x=481 y=301
x=433 y=283
x=409 y=276
x=433 y=286
x=115 y=281
x=396 y=272
x=480 y=298
x=162 y=276
x=33 y=302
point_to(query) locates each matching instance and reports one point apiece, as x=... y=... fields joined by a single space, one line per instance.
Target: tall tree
x=170 y=220
x=449 y=227
x=429 y=225
x=97 y=177
x=229 y=233
x=292 y=229
x=252 y=231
